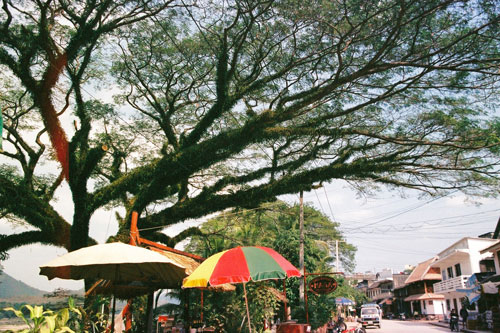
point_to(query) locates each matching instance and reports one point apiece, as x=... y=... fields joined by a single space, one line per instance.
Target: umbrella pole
x=201 y=308
x=149 y=313
x=248 y=312
x=284 y=293
x=113 y=315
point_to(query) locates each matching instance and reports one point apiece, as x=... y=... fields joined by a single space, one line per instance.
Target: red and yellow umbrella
x=240 y=265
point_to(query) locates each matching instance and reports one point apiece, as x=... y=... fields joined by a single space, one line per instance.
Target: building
x=421 y=299
x=361 y=281
x=494 y=249
x=399 y=294
x=400 y=306
x=456 y=264
x=382 y=292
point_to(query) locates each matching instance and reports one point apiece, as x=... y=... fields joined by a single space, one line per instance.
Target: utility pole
x=337 y=267
x=337 y=255
x=301 y=247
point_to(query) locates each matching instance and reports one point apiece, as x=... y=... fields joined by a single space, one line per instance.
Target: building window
x=443 y=274
x=458 y=270
x=450 y=272
x=424 y=305
x=448 y=305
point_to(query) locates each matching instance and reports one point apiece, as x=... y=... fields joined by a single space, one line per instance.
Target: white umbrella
x=117 y=262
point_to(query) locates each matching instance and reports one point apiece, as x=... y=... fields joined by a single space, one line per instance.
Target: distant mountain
x=10 y=287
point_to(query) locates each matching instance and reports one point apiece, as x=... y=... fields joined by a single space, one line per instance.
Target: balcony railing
x=451 y=284
x=388 y=294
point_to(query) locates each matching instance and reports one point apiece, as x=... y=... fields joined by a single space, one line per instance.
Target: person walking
x=464 y=314
x=454 y=320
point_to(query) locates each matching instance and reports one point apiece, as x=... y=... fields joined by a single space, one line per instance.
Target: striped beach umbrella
x=241 y=265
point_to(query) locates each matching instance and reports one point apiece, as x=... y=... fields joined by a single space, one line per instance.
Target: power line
x=385 y=249
x=319 y=202
x=424 y=225
x=329 y=206
x=407 y=210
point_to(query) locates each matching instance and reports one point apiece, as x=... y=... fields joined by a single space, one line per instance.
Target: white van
x=370 y=316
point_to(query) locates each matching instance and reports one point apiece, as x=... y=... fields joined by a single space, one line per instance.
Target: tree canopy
x=276 y=225
x=222 y=104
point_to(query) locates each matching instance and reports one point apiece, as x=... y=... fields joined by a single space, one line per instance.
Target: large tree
x=261 y=226
x=232 y=103
x=47 y=54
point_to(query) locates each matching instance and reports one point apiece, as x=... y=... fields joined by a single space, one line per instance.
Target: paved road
x=397 y=326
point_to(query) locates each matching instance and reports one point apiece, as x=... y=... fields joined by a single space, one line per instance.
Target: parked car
x=373 y=305
x=370 y=316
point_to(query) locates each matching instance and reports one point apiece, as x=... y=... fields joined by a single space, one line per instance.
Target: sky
x=389 y=231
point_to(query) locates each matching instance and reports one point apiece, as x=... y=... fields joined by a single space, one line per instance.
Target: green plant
x=41 y=321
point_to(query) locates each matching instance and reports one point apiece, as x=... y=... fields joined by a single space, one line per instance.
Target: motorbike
x=337 y=327
x=340 y=327
x=402 y=316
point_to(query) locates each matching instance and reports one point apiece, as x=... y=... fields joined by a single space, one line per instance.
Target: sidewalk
x=446 y=325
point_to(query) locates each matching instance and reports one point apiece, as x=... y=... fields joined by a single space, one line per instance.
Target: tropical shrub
x=40 y=321
x=67 y=319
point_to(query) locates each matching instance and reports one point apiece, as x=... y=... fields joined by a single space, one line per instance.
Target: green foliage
x=346 y=290
x=224 y=310
x=263 y=304
x=69 y=318
x=40 y=321
x=3 y=254
x=275 y=225
x=139 y=307
x=94 y=319
x=323 y=307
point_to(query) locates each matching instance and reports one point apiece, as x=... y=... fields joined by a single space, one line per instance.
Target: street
x=410 y=326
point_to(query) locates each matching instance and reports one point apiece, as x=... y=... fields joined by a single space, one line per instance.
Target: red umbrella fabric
x=240 y=265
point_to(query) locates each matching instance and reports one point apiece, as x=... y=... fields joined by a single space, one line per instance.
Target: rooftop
x=424 y=271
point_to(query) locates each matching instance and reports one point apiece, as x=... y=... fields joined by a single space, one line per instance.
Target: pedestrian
x=464 y=314
x=454 y=320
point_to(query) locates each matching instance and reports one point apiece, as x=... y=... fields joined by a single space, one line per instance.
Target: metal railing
x=387 y=294
x=451 y=284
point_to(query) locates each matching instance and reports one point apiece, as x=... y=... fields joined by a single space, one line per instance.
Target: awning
x=474 y=299
x=427 y=296
x=477 y=281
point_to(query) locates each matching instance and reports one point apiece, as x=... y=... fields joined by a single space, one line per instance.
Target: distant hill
x=10 y=287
